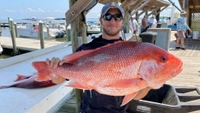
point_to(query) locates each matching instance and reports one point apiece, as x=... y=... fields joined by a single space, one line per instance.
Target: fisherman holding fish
x=111 y=19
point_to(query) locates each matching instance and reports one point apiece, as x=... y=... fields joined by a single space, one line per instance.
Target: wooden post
x=48 y=35
x=68 y=34
x=74 y=40
x=41 y=34
x=0 y=29
x=126 y=23
x=13 y=36
x=84 y=29
x=15 y=26
x=186 y=8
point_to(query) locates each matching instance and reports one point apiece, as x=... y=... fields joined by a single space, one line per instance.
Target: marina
x=62 y=99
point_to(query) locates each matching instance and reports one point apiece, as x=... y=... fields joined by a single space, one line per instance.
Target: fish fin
x=128 y=98
x=2 y=87
x=73 y=57
x=21 y=77
x=43 y=73
x=39 y=65
x=77 y=86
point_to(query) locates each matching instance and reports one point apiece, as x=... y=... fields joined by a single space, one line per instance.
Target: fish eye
x=163 y=58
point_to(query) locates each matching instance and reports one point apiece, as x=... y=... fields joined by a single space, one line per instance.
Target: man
x=153 y=22
x=181 y=29
x=133 y=24
x=93 y=102
x=144 y=24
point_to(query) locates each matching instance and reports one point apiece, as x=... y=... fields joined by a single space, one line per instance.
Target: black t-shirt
x=94 y=102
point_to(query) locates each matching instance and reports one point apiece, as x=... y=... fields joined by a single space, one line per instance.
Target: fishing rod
x=174 y=5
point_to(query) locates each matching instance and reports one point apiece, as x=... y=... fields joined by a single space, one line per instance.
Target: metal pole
x=41 y=34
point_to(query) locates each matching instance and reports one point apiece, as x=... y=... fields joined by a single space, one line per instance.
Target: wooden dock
x=190 y=76
x=27 y=44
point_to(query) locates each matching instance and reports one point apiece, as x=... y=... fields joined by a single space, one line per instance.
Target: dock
x=27 y=44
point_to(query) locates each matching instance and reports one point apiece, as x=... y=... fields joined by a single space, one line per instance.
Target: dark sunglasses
x=108 y=17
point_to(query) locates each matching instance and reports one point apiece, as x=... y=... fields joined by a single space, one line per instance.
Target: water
x=5 y=32
x=4 y=56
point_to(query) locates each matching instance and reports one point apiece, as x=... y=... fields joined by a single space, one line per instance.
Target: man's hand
x=190 y=30
x=54 y=62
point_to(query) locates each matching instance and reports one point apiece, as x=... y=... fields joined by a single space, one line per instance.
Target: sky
x=20 y=9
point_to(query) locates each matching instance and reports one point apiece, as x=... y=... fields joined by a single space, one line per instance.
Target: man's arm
x=178 y=24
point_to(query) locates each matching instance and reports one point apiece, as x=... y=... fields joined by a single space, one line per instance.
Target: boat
x=55 y=23
x=93 y=27
x=31 y=28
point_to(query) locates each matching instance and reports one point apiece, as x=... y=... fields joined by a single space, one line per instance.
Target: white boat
x=32 y=27
x=55 y=23
x=93 y=27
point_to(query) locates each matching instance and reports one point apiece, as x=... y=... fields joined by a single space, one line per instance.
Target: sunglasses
x=108 y=17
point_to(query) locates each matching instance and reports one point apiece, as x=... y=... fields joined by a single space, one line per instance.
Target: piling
x=74 y=39
x=13 y=36
x=68 y=34
x=41 y=34
x=48 y=36
x=15 y=26
x=0 y=29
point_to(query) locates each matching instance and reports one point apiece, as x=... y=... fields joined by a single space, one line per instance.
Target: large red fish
x=119 y=69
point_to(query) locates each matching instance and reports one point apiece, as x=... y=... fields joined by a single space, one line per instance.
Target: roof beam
x=138 y=8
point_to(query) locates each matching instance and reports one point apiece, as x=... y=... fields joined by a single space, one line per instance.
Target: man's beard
x=111 y=33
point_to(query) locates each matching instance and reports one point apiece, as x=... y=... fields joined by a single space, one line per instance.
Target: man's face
x=111 y=27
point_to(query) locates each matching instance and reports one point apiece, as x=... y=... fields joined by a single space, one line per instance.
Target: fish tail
x=2 y=87
x=44 y=73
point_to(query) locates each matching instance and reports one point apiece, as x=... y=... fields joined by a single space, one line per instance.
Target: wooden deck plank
x=193 y=51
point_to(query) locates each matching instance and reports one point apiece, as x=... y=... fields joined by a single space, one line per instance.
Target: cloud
x=34 y=10
x=59 y=11
x=40 y=10
x=10 y=11
x=29 y=9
